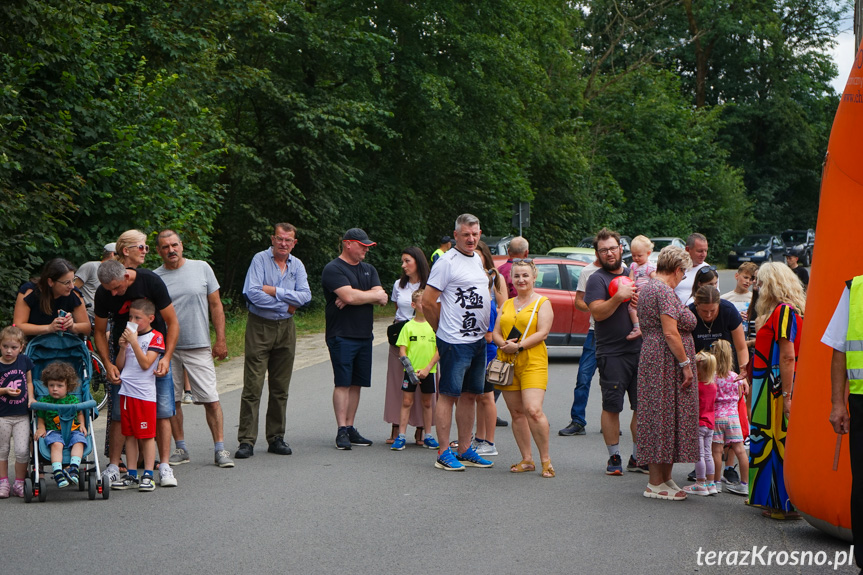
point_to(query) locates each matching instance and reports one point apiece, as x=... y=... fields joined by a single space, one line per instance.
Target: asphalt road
x=372 y=510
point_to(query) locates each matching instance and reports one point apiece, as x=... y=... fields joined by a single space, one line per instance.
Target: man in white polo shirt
x=696 y=247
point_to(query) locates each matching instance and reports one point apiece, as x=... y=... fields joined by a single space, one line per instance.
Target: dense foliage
x=221 y=117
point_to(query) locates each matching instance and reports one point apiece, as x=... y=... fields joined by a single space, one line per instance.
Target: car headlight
x=760 y=254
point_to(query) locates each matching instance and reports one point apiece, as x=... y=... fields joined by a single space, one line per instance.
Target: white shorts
x=198 y=363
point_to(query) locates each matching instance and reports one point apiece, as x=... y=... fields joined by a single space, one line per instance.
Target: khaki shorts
x=198 y=363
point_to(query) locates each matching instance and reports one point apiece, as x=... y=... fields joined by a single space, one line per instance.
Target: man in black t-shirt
x=791 y=258
x=119 y=287
x=351 y=289
x=616 y=356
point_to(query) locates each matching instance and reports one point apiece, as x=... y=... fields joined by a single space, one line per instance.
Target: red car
x=556 y=279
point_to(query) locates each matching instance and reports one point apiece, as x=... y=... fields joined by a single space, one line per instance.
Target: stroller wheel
x=91 y=486
x=106 y=490
x=42 y=492
x=28 y=490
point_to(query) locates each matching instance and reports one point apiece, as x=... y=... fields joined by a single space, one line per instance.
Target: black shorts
x=426 y=384
x=618 y=376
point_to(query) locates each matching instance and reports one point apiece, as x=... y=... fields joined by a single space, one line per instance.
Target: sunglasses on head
x=705 y=269
x=524 y=260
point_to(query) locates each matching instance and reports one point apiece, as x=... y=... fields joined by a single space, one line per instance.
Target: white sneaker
x=188 y=399
x=166 y=476
x=110 y=475
x=484 y=448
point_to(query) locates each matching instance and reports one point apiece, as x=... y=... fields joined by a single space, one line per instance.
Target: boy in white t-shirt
x=140 y=347
x=740 y=296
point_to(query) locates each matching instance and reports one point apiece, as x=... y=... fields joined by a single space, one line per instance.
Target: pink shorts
x=137 y=417
x=727 y=430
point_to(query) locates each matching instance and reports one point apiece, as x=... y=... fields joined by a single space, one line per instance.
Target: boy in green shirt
x=417 y=343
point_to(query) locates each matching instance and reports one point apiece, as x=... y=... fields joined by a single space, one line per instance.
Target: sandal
x=394 y=434
x=547 y=469
x=780 y=515
x=122 y=467
x=522 y=466
x=453 y=444
x=663 y=491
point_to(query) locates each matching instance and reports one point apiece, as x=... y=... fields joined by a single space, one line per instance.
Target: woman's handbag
x=394 y=330
x=500 y=372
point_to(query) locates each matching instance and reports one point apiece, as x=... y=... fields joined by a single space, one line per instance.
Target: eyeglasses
x=522 y=260
x=66 y=283
x=706 y=269
x=604 y=251
x=279 y=240
x=143 y=248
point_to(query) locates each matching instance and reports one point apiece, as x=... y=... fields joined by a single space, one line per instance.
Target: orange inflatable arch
x=817 y=464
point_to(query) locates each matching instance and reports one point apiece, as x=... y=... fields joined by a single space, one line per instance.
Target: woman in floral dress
x=667 y=398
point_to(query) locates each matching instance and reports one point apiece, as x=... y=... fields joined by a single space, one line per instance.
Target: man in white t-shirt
x=456 y=304
x=195 y=292
x=586 y=364
x=696 y=247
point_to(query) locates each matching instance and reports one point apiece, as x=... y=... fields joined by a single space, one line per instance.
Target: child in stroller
x=60 y=378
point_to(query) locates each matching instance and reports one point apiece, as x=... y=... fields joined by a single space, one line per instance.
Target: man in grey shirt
x=195 y=291
x=87 y=280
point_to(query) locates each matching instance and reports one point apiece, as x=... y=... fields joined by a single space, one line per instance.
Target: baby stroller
x=43 y=350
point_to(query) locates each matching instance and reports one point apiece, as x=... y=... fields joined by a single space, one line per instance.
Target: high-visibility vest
x=436 y=254
x=854 y=337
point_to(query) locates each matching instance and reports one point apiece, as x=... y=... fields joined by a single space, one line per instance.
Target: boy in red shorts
x=140 y=347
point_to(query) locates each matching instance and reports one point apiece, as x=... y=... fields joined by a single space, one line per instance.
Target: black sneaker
x=730 y=475
x=501 y=423
x=691 y=476
x=634 y=467
x=278 y=446
x=615 y=465
x=357 y=439
x=245 y=451
x=572 y=429
x=342 y=439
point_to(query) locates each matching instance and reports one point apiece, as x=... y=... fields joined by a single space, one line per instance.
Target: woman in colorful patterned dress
x=781 y=305
x=667 y=398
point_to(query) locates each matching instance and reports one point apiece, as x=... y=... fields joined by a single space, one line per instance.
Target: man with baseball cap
x=445 y=245
x=86 y=279
x=791 y=259
x=351 y=288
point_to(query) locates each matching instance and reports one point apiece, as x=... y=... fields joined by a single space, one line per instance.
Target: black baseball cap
x=446 y=240
x=795 y=251
x=358 y=235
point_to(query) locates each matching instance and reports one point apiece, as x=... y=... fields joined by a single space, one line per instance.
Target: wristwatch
x=521 y=348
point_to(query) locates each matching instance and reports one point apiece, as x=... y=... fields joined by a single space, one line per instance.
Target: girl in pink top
x=730 y=387
x=704 y=469
x=640 y=271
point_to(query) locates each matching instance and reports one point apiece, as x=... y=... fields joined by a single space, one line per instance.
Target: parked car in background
x=659 y=243
x=585 y=255
x=497 y=244
x=803 y=240
x=757 y=248
x=556 y=279
x=624 y=242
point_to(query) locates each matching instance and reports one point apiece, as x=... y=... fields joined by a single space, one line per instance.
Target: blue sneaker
x=615 y=465
x=399 y=443
x=430 y=442
x=472 y=459
x=61 y=478
x=446 y=460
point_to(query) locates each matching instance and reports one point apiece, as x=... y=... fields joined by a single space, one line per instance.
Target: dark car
x=497 y=244
x=556 y=279
x=757 y=248
x=803 y=240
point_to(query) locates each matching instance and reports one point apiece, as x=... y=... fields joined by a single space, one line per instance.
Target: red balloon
x=615 y=283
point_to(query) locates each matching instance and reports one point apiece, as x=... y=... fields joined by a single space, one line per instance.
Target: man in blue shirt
x=276 y=285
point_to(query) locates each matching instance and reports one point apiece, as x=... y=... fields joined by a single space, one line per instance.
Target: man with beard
x=616 y=356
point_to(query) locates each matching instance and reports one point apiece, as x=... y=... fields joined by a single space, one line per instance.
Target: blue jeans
x=586 y=369
x=461 y=368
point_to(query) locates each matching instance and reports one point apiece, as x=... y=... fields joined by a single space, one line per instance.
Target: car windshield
x=587 y=258
x=747 y=241
x=659 y=244
x=586 y=243
x=794 y=237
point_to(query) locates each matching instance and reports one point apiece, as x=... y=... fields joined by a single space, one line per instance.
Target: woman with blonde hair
x=526 y=320
x=781 y=306
x=132 y=248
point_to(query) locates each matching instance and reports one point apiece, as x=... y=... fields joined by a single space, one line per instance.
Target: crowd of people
x=661 y=336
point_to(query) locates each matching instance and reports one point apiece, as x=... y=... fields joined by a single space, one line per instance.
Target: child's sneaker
x=18 y=489
x=485 y=449
x=430 y=442
x=697 y=489
x=634 y=334
x=125 y=482
x=4 y=488
x=61 y=479
x=399 y=443
x=147 y=484
x=711 y=488
x=72 y=474
x=187 y=398
x=739 y=488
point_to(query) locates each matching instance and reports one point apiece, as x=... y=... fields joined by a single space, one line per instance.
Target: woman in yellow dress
x=531 y=315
